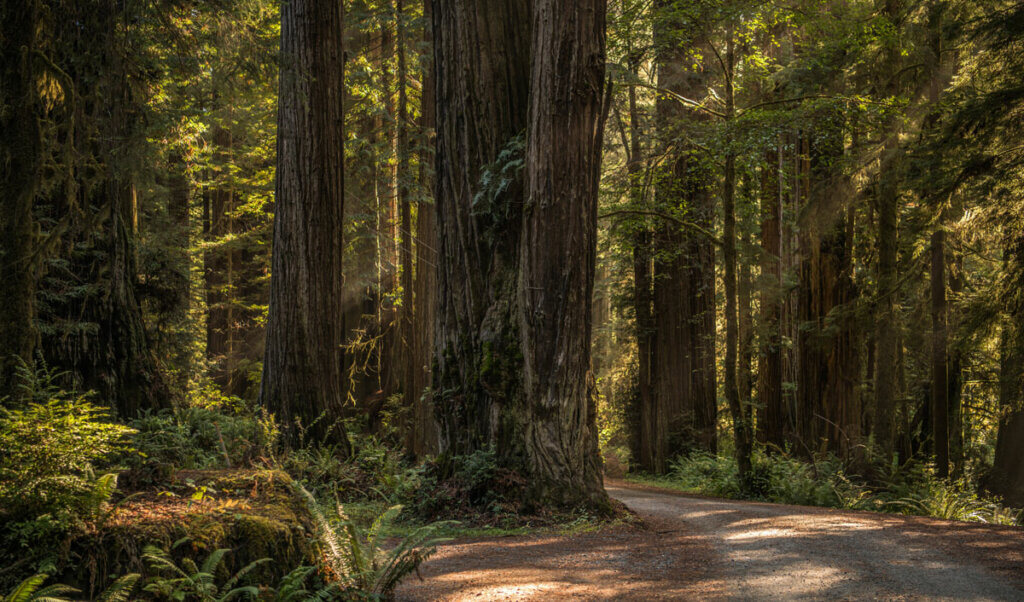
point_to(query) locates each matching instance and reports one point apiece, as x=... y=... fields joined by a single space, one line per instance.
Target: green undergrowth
x=911 y=489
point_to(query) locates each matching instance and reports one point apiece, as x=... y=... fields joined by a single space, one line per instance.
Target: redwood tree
x=302 y=371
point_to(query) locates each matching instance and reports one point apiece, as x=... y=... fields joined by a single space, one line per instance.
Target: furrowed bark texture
x=684 y=282
x=423 y=440
x=302 y=372
x=482 y=67
x=558 y=250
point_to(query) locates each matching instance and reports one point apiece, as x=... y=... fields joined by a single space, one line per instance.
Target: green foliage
x=356 y=558
x=31 y=590
x=199 y=438
x=912 y=489
x=294 y=587
x=190 y=581
x=52 y=449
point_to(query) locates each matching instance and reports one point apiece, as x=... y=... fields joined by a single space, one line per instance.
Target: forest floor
x=697 y=547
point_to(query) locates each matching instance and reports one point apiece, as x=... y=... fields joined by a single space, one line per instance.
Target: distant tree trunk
x=940 y=388
x=405 y=347
x=771 y=427
x=684 y=279
x=887 y=202
x=732 y=394
x=20 y=148
x=558 y=251
x=482 y=65
x=744 y=376
x=424 y=431
x=828 y=408
x=955 y=371
x=649 y=436
x=302 y=378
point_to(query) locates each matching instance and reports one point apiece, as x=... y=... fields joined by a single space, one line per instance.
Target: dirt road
x=695 y=547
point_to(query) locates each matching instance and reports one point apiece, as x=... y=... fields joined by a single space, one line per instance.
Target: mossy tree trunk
x=481 y=63
x=515 y=278
x=20 y=147
x=302 y=370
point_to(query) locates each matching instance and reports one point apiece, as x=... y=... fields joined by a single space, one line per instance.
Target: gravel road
x=694 y=547
x=769 y=551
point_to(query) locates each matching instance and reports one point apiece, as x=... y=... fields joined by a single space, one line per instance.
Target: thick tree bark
x=558 y=251
x=482 y=66
x=20 y=147
x=302 y=377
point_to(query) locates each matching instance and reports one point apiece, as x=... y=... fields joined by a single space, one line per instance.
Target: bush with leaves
x=48 y=471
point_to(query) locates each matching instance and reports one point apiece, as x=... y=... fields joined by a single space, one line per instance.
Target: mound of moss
x=254 y=513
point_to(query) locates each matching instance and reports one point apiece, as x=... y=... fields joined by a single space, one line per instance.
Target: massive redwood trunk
x=302 y=371
x=482 y=66
x=558 y=249
x=517 y=255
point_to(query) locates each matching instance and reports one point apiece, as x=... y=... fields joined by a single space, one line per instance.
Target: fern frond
x=120 y=589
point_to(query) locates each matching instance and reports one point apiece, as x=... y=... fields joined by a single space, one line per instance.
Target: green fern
x=29 y=591
x=358 y=561
x=120 y=590
x=189 y=580
x=292 y=587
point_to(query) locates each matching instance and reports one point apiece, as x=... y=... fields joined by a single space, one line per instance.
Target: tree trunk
x=424 y=431
x=684 y=280
x=20 y=148
x=887 y=202
x=940 y=388
x=732 y=393
x=482 y=66
x=302 y=378
x=772 y=426
x=558 y=250
x=651 y=422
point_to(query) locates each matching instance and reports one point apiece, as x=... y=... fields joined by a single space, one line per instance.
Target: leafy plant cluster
x=56 y=446
x=911 y=489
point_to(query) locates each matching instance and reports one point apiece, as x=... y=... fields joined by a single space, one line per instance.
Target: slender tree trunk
x=424 y=431
x=732 y=394
x=405 y=347
x=302 y=378
x=772 y=427
x=20 y=148
x=887 y=201
x=940 y=389
x=558 y=251
x=651 y=421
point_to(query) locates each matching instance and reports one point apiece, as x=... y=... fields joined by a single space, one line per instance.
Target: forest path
x=706 y=548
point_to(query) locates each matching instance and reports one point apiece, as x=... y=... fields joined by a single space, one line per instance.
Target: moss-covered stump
x=254 y=513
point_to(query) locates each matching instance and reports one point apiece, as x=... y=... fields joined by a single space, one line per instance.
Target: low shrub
x=50 y=479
